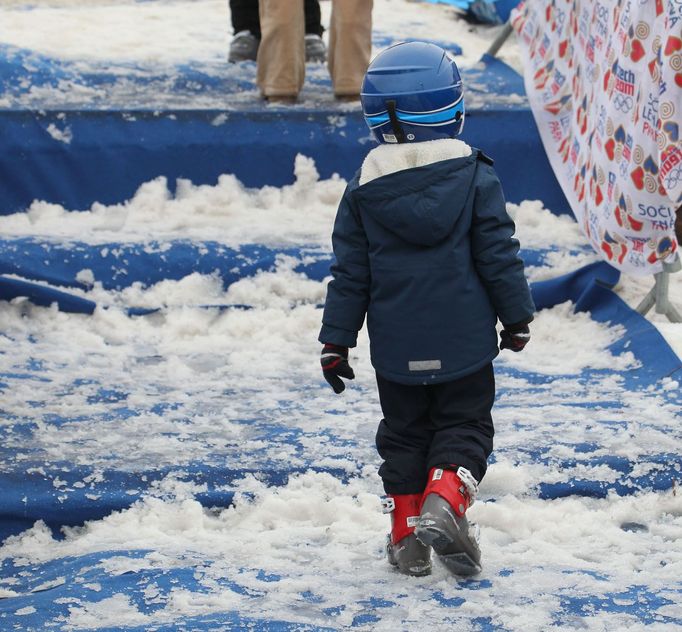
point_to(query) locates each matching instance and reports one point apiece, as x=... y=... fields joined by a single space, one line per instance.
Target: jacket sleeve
x=348 y=291
x=495 y=252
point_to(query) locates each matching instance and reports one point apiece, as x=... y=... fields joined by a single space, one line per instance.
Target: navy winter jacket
x=428 y=254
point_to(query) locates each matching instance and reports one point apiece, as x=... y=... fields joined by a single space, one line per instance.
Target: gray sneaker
x=315 y=50
x=409 y=555
x=244 y=47
x=452 y=538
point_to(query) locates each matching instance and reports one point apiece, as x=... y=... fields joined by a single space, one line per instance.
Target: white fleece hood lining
x=386 y=159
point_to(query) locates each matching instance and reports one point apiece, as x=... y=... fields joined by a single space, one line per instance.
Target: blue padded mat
x=200 y=122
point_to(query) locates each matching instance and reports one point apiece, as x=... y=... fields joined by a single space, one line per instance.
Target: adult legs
x=315 y=50
x=350 y=45
x=246 y=28
x=313 y=18
x=244 y=15
x=281 y=55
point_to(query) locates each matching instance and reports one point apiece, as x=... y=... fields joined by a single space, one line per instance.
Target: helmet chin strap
x=395 y=123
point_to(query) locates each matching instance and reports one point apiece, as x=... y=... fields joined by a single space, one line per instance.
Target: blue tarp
x=24 y=499
x=111 y=152
x=74 y=151
x=35 y=487
x=486 y=11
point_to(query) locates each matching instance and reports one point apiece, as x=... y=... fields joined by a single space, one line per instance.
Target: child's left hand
x=514 y=337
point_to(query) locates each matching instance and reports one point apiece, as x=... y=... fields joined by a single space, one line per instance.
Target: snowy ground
x=191 y=386
x=127 y=45
x=247 y=216
x=181 y=31
x=308 y=551
x=164 y=33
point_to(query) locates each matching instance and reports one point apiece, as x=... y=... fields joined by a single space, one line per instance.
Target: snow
x=633 y=289
x=317 y=539
x=317 y=536
x=554 y=357
x=25 y=611
x=139 y=46
x=64 y=136
x=235 y=215
x=228 y=211
x=168 y=32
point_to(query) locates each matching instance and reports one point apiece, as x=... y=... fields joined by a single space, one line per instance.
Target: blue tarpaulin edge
x=589 y=288
x=45 y=279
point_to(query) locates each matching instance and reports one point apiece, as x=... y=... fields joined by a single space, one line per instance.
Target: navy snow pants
x=432 y=425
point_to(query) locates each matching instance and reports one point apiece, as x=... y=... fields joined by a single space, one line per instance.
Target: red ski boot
x=442 y=524
x=402 y=547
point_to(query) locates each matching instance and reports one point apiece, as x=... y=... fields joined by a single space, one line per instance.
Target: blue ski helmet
x=413 y=92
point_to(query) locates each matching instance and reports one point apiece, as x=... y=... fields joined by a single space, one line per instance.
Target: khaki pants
x=281 y=54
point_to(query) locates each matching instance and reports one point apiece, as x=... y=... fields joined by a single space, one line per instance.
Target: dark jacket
x=428 y=254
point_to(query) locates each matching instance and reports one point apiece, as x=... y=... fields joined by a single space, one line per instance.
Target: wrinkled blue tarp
x=486 y=11
x=48 y=591
x=44 y=167
x=75 y=151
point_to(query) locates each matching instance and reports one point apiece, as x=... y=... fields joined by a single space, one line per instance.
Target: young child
x=424 y=247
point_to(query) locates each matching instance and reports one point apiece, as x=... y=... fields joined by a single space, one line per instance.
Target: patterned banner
x=604 y=80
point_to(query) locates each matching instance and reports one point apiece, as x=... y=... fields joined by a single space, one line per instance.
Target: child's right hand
x=514 y=337
x=334 y=361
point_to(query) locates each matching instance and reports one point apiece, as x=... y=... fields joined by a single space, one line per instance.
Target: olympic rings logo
x=623 y=103
x=673 y=178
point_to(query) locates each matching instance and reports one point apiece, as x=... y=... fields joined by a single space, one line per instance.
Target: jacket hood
x=419 y=190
